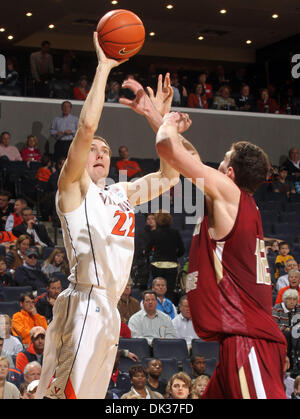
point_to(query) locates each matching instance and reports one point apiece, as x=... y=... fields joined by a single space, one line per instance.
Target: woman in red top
x=198 y=98
x=267 y=104
x=31 y=152
x=80 y=92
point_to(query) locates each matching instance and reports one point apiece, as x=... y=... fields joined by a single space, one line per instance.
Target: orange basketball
x=121 y=34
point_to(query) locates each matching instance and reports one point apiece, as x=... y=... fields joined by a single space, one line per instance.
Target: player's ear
x=230 y=173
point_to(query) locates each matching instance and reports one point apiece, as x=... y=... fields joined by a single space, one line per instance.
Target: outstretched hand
x=102 y=58
x=141 y=103
x=181 y=120
x=162 y=100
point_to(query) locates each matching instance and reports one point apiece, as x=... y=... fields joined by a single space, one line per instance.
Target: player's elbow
x=164 y=149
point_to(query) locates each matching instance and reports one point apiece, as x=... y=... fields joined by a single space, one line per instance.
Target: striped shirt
x=283 y=316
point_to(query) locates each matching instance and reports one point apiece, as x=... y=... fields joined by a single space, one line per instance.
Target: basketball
x=121 y=34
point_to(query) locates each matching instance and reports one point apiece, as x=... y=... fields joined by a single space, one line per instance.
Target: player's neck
x=100 y=183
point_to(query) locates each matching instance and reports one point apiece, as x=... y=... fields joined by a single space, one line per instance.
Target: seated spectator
x=10 y=151
x=11 y=345
x=4 y=353
x=246 y=102
x=208 y=89
x=32 y=372
x=7 y=389
x=283 y=185
x=151 y=323
x=131 y=167
x=289 y=103
x=42 y=69
x=272 y=248
x=197 y=99
x=183 y=324
x=267 y=104
x=120 y=380
x=31 y=152
x=283 y=313
x=35 y=350
x=282 y=258
x=112 y=93
x=10 y=86
x=30 y=273
x=81 y=91
x=127 y=304
x=138 y=377
x=56 y=262
x=125 y=331
x=35 y=230
x=179 y=386
x=294 y=284
x=6 y=278
x=223 y=101
x=15 y=218
x=154 y=372
x=6 y=208
x=44 y=172
x=283 y=280
x=25 y=319
x=159 y=285
x=198 y=364
x=198 y=387
x=15 y=256
x=292 y=163
x=180 y=95
x=296 y=392
x=44 y=303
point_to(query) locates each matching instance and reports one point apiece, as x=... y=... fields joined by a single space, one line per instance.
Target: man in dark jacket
x=30 y=273
x=44 y=303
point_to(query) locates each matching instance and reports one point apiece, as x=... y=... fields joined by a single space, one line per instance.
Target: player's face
x=98 y=161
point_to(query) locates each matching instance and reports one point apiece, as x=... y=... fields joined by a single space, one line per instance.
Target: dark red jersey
x=228 y=282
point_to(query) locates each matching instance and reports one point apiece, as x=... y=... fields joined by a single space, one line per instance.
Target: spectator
x=282 y=258
x=31 y=152
x=56 y=262
x=197 y=99
x=44 y=172
x=246 y=102
x=198 y=387
x=283 y=313
x=159 y=285
x=81 y=91
x=293 y=163
x=138 y=377
x=25 y=319
x=183 y=324
x=10 y=86
x=32 y=372
x=283 y=185
x=150 y=323
x=35 y=230
x=63 y=128
x=296 y=392
x=272 y=248
x=7 y=389
x=289 y=103
x=219 y=78
x=127 y=304
x=35 y=350
x=125 y=331
x=42 y=69
x=10 y=151
x=198 y=364
x=208 y=89
x=294 y=282
x=11 y=344
x=15 y=256
x=44 y=304
x=5 y=208
x=120 y=380
x=167 y=246
x=6 y=278
x=179 y=386
x=32 y=388
x=180 y=95
x=154 y=372
x=283 y=280
x=112 y=94
x=222 y=100
x=4 y=353
x=267 y=104
x=30 y=273
x=15 y=218
x=131 y=167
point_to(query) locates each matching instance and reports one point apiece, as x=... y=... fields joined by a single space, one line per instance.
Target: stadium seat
x=169 y=367
x=163 y=348
x=186 y=366
x=13 y=293
x=9 y=307
x=138 y=346
x=46 y=252
x=208 y=349
x=136 y=293
x=125 y=364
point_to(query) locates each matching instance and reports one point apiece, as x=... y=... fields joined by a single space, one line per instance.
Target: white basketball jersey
x=99 y=239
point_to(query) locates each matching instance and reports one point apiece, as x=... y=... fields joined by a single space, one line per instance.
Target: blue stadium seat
x=163 y=348
x=208 y=349
x=186 y=366
x=9 y=307
x=169 y=367
x=138 y=346
x=46 y=252
x=13 y=293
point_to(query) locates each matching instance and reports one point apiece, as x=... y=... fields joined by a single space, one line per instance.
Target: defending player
x=228 y=283
x=98 y=231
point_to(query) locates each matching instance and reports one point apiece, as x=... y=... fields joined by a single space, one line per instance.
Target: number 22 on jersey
x=262 y=267
x=120 y=229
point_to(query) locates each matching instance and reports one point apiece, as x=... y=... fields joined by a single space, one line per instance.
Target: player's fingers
x=132 y=85
x=150 y=92
x=126 y=102
x=159 y=83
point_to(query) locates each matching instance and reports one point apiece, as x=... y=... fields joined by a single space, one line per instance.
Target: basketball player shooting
x=98 y=232
x=228 y=281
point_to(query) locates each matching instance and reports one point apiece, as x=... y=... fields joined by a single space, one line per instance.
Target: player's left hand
x=141 y=103
x=162 y=100
x=179 y=119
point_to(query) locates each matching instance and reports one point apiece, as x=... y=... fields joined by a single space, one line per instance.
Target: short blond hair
x=97 y=137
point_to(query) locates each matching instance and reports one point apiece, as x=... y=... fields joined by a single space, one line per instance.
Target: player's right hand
x=102 y=58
